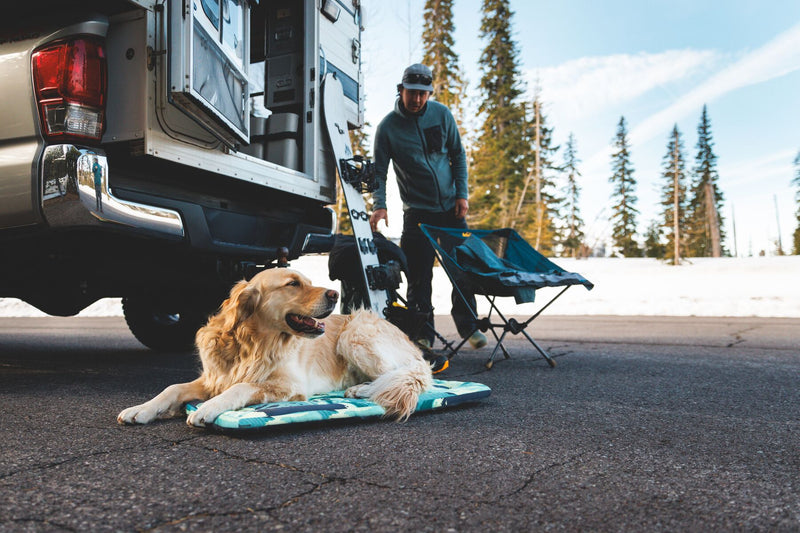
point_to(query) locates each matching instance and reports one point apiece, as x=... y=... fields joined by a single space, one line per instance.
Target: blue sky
x=656 y=63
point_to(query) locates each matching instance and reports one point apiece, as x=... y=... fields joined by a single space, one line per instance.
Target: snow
x=752 y=286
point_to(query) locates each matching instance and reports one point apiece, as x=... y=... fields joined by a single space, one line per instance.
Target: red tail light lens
x=70 y=81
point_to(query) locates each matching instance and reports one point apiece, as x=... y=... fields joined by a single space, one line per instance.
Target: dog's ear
x=240 y=305
x=247 y=302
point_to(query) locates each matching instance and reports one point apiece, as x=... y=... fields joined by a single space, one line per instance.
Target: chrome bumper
x=72 y=197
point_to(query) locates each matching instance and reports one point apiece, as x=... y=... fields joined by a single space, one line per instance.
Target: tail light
x=70 y=82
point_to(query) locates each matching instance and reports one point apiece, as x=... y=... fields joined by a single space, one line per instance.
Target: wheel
x=164 y=325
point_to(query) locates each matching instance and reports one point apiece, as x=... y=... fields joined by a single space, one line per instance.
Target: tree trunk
x=537 y=166
x=713 y=221
x=504 y=193
x=676 y=227
x=534 y=173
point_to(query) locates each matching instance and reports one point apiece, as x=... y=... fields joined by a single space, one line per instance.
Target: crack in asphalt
x=324 y=480
x=251 y=460
x=72 y=459
x=325 y=477
x=247 y=511
x=42 y=522
x=739 y=337
x=551 y=466
x=39 y=467
x=193 y=516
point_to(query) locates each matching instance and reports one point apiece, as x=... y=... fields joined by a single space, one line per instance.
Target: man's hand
x=377 y=215
x=462 y=206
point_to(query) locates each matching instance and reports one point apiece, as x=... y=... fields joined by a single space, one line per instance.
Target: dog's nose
x=332 y=296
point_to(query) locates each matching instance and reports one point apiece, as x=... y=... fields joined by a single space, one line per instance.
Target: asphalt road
x=646 y=424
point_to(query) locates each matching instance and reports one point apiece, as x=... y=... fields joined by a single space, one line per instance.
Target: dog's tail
x=398 y=390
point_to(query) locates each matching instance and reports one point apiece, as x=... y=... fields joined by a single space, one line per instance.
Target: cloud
x=583 y=87
x=778 y=57
x=773 y=166
x=577 y=90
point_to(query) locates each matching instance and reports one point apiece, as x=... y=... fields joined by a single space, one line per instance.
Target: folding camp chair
x=498 y=263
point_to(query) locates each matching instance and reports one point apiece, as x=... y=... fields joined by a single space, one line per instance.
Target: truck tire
x=164 y=325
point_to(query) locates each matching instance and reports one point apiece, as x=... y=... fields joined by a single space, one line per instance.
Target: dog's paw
x=358 y=391
x=205 y=414
x=138 y=414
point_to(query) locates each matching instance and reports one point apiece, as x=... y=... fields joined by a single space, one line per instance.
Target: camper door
x=208 y=64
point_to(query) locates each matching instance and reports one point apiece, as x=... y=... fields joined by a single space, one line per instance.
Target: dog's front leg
x=233 y=398
x=166 y=404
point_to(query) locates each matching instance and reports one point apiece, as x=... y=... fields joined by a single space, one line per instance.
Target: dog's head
x=284 y=300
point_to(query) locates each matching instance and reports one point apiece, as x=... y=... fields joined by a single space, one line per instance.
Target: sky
x=655 y=63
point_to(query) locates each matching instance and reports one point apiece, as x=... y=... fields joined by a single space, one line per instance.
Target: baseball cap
x=418 y=77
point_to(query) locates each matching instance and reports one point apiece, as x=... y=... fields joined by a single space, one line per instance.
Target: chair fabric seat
x=496 y=276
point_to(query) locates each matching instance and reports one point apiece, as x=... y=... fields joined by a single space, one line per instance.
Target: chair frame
x=507 y=324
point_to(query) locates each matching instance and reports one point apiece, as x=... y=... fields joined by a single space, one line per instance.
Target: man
x=97 y=171
x=421 y=139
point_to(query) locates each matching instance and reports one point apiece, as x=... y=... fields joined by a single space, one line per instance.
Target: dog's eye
x=293 y=283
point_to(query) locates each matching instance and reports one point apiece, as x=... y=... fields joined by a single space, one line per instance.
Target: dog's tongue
x=313 y=324
x=305 y=324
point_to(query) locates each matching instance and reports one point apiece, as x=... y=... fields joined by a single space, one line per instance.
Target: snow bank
x=754 y=286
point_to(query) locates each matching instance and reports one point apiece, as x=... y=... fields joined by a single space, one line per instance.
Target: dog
x=268 y=343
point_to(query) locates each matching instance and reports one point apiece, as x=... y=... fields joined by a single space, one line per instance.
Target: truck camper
x=160 y=150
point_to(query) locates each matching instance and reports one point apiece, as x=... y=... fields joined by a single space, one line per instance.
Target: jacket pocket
x=433 y=138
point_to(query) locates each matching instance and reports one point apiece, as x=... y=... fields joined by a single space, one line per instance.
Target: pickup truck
x=160 y=150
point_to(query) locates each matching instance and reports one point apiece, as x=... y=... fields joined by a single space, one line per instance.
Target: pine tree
x=673 y=198
x=653 y=243
x=624 y=211
x=538 y=204
x=705 y=206
x=572 y=235
x=449 y=86
x=796 y=182
x=498 y=163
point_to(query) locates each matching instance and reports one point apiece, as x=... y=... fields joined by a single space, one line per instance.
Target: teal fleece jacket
x=427 y=155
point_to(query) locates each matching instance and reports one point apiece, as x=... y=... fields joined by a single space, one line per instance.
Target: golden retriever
x=267 y=343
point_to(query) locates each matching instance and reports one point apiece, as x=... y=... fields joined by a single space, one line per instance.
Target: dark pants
x=420 y=256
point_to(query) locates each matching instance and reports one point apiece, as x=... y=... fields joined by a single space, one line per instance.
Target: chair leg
x=505 y=352
x=494 y=334
x=550 y=360
x=454 y=351
x=493 y=307
x=499 y=345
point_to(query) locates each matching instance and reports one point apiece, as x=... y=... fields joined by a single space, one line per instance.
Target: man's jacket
x=427 y=155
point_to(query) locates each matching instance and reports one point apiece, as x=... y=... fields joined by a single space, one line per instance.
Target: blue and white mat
x=334 y=406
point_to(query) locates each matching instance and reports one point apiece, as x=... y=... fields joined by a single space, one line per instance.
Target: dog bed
x=334 y=406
